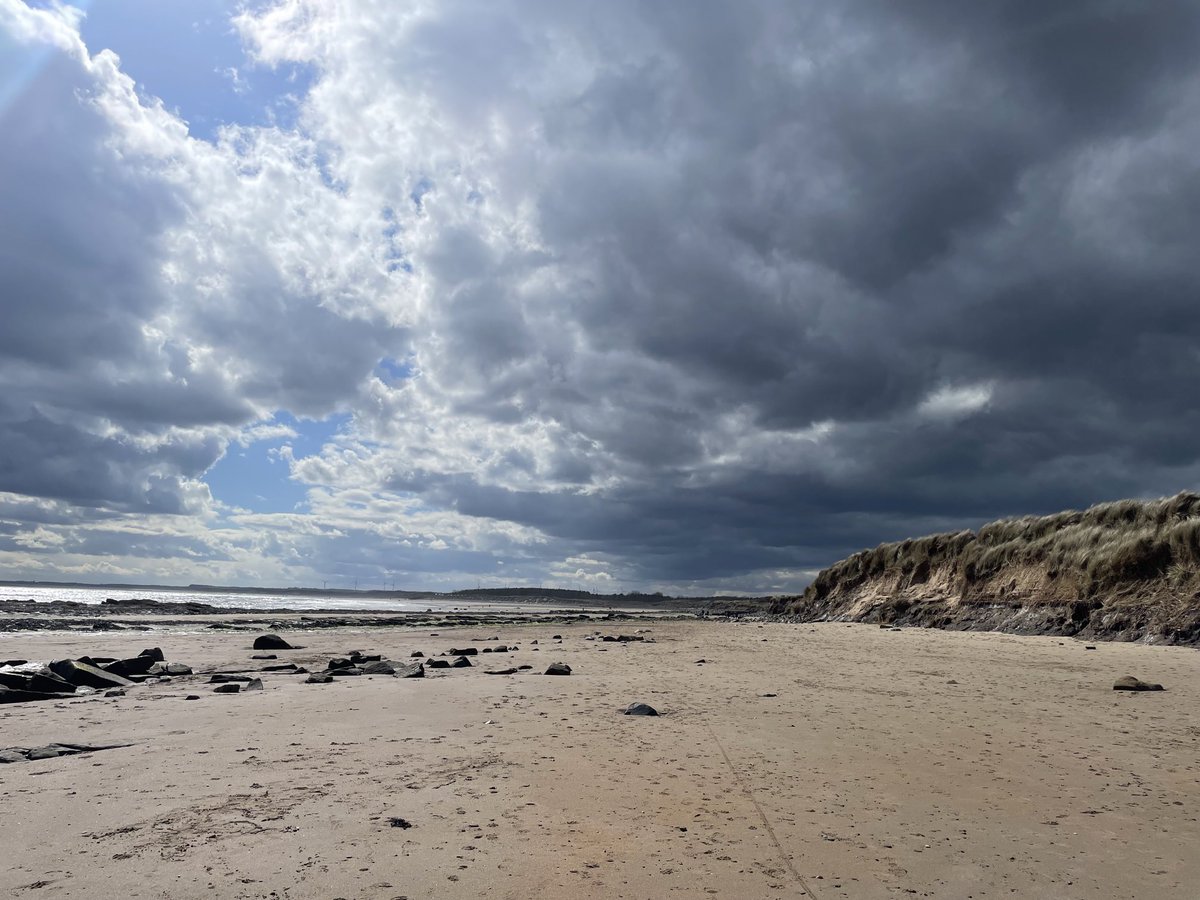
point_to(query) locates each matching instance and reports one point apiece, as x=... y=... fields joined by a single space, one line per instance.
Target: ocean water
x=260 y=601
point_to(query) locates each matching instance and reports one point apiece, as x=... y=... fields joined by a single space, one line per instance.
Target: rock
x=138 y=665
x=347 y=672
x=558 y=669
x=227 y=689
x=556 y=637
x=609 y=638
x=626 y=638
x=701 y=662
x=339 y=662
x=466 y=651
x=11 y=695
x=12 y=755
x=640 y=709
x=177 y=669
x=13 y=662
x=192 y=697
x=397 y=822
x=1090 y=647
x=264 y=656
x=523 y=668
x=379 y=667
x=282 y=667
x=318 y=678
x=501 y=649
x=460 y=662
x=486 y=650
x=50 y=752
x=438 y=663
x=115 y=692
x=358 y=658
x=416 y=654
x=415 y=670
x=255 y=684
x=38 y=682
x=81 y=674
x=1129 y=683
x=272 y=642
x=227 y=678
x=154 y=653
x=533 y=643
x=501 y=672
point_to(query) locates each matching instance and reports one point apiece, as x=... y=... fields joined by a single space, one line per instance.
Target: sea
x=235 y=599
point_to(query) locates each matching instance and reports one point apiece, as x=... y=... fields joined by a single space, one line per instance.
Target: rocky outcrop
x=1128 y=570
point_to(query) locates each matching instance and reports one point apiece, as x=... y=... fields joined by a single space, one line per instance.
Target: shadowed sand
x=869 y=775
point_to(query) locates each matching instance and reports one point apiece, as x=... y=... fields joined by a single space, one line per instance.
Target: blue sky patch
x=190 y=56
x=256 y=478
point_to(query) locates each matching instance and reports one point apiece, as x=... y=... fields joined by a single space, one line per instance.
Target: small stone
x=254 y=685
x=319 y=678
x=264 y=656
x=178 y=669
x=523 y=668
x=225 y=678
x=438 y=664
x=114 y=693
x=460 y=662
x=501 y=672
x=416 y=654
x=282 y=667
x=231 y=688
x=192 y=697
x=640 y=709
x=558 y=669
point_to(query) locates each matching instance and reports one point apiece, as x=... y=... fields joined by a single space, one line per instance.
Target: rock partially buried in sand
x=640 y=709
x=379 y=667
x=465 y=651
x=501 y=672
x=138 y=665
x=223 y=678
x=416 y=670
x=416 y=654
x=438 y=664
x=254 y=685
x=558 y=669
x=319 y=678
x=460 y=662
x=1129 y=683
x=231 y=688
x=272 y=642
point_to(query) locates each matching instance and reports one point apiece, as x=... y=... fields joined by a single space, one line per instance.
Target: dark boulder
x=264 y=656
x=272 y=642
x=225 y=678
x=138 y=665
x=359 y=658
x=115 y=692
x=416 y=654
x=460 y=662
x=319 y=678
x=438 y=664
x=627 y=638
x=282 y=667
x=38 y=682
x=640 y=709
x=501 y=672
x=11 y=695
x=558 y=669
x=81 y=674
x=48 y=752
x=254 y=684
x=339 y=662
x=154 y=653
x=466 y=651
x=12 y=755
x=227 y=689
x=523 y=668
x=501 y=649
x=14 y=662
x=1129 y=683
x=378 y=667
x=346 y=672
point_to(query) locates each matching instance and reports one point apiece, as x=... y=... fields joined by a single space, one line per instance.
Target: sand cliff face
x=1128 y=570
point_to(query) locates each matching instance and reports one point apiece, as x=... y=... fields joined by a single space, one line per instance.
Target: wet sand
x=869 y=775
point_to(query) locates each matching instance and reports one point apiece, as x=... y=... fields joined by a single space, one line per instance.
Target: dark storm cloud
x=703 y=290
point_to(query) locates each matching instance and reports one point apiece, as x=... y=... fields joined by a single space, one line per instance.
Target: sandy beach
x=818 y=761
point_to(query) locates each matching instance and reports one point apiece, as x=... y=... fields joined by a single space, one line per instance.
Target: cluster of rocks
x=24 y=682
x=357 y=663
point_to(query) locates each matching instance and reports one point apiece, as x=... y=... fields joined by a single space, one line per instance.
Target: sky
x=695 y=297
